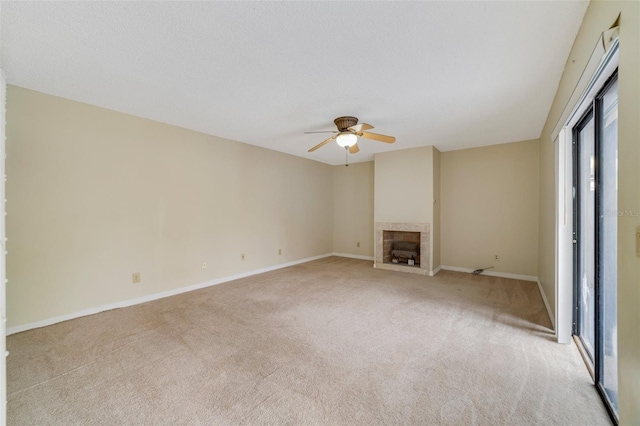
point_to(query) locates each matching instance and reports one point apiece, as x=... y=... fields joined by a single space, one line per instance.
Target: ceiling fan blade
x=322 y=131
x=377 y=137
x=354 y=148
x=360 y=127
x=321 y=144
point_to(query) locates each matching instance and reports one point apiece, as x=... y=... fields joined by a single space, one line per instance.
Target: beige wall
x=353 y=209
x=600 y=15
x=490 y=206
x=96 y=195
x=404 y=186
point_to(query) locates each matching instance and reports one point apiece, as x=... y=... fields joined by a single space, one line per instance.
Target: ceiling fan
x=348 y=133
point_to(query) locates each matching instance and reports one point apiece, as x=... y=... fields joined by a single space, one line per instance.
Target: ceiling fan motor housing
x=343 y=123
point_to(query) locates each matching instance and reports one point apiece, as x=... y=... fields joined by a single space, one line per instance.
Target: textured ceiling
x=449 y=74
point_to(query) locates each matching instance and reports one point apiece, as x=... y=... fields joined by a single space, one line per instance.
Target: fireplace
x=402 y=247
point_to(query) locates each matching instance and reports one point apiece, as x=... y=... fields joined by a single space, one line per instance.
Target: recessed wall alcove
x=386 y=233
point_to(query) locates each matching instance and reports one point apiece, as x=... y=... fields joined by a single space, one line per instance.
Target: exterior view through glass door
x=595 y=139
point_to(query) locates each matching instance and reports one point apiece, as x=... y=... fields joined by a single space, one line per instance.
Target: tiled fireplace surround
x=425 y=235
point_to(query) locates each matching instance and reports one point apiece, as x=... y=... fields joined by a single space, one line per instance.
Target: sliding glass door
x=595 y=236
x=607 y=108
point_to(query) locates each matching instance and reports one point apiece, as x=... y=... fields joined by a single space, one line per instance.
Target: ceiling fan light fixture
x=346 y=139
x=348 y=134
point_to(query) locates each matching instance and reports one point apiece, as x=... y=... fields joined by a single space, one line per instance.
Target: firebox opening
x=401 y=247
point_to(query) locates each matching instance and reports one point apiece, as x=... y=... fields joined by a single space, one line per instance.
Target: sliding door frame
x=595 y=112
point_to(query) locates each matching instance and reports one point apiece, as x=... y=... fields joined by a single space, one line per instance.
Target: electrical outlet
x=496 y=258
x=204 y=265
x=242 y=256
x=135 y=277
x=279 y=252
x=358 y=244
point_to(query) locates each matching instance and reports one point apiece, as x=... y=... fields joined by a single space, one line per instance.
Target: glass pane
x=586 y=237
x=609 y=244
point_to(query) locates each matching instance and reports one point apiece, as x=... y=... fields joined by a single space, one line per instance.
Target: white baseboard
x=493 y=274
x=547 y=305
x=435 y=271
x=156 y=296
x=353 y=256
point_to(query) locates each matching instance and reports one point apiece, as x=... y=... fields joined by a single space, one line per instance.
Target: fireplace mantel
x=425 y=239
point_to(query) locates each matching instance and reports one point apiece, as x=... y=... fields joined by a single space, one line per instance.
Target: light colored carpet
x=332 y=341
